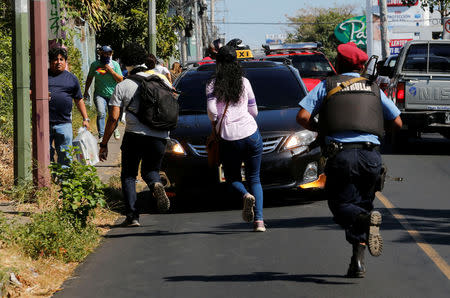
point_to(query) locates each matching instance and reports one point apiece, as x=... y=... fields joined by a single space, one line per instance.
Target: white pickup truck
x=420 y=86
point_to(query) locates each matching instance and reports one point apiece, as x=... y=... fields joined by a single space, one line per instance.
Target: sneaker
x=258 y=226
x=247 y=212
x=375 y=241
x=100 y=139
x=129 y=222
x=163 y=201
x=116 y=134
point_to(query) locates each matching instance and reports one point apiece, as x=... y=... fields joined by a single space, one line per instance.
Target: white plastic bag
x=87 y=144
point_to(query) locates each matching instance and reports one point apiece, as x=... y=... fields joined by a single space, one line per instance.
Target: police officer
x=351 y=114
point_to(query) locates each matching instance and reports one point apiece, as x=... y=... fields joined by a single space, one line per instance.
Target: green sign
x=354 y=30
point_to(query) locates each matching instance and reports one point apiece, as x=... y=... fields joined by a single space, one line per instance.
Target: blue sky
x=265 y=11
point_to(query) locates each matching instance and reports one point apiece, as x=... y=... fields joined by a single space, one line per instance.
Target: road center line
x=428 y=249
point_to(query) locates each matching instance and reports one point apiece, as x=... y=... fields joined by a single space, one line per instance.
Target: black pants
x=147 y=151
x=350 y=188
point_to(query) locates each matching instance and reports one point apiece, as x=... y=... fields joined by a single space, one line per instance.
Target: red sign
x=447 y=26
x=398 y=3
x=398 y=43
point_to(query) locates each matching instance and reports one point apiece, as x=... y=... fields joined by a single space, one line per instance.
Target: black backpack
x=158 y=105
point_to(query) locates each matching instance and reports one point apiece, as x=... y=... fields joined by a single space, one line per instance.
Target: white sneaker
x=116 y=134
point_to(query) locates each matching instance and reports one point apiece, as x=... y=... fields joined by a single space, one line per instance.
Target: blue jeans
x=61 y=135
x=248 y=150
x=147 y=151
x=350 y=188
x=102 y=109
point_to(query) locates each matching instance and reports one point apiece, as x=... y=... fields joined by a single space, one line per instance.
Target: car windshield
x=312 y=66
x=438 y=59
x=274 y=87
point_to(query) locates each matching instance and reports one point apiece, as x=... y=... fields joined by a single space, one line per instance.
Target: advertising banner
x=354 y=30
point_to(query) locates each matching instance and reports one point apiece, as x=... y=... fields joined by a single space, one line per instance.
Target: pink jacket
x=239 y=121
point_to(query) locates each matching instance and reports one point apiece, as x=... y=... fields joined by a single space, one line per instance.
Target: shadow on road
x=261 y=276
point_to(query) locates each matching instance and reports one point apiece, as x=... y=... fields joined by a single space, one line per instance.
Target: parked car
x=306 y=57
x=291 y=158
x=420 y=87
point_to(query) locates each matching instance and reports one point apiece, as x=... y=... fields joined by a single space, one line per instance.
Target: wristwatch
x=86 y=119
x=103 y=145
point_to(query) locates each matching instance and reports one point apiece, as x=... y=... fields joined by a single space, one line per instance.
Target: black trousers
x=350 y=188
x=147 y=151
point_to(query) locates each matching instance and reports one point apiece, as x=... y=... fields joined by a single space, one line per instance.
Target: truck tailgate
x=426 y=93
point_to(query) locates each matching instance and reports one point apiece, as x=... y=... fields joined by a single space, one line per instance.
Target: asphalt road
x=207 y=251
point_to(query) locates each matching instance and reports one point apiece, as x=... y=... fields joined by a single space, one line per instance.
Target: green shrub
x=57 y=234
x=81 y=190
x=6 y=84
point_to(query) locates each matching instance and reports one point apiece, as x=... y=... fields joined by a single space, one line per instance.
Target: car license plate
x=222 y=175
x=447 y=117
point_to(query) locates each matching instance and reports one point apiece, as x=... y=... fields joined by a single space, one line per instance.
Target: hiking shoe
x=162 y=200
x=375 y=241
x=129 y=222
x=247 y=212
x=258 y=226
x=116 y=134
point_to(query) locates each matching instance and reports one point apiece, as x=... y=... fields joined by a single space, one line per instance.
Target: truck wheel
x=399 y=140
x=446 y=134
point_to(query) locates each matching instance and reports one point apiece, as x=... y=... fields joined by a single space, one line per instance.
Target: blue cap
x=106 y=49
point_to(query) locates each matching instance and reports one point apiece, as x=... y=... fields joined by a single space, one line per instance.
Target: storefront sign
x=396 y=44
x=398 y=3
x=354 y=30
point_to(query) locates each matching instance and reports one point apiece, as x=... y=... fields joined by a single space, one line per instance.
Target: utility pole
x=213 y=25
x=152 y=26
x=39 y=93
x=183 y=50
x=384 y=25
x=198 y=36
x=369 y=28
x=21 y=87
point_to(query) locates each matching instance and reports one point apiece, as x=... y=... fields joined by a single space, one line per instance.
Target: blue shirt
x=315 y=97
x=63 y=88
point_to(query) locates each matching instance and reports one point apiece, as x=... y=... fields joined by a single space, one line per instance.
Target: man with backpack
x=146 y=131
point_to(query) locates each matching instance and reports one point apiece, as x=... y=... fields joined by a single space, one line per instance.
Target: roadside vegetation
x=46 y=232
x=317 y=24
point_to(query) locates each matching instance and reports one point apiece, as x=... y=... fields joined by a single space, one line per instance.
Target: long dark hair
x=228 y=85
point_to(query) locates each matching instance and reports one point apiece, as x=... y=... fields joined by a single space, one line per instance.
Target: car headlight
x=301 y=138
x=174 y=147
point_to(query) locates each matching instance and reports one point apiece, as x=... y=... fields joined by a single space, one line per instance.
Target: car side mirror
x=385 y=71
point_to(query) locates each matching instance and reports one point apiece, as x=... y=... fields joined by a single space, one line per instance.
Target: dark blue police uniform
x=353 y=171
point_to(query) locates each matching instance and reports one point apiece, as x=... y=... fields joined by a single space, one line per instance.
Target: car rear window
x=274 y=88
x=417 y=58
x=312 y=66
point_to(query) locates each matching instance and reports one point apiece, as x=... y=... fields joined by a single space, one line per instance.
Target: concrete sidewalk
x=111 y=167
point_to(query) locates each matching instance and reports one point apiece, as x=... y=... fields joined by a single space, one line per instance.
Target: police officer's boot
x=357 y=269
x=370 y=223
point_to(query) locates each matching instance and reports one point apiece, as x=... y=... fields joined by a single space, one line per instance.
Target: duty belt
x=333 y=148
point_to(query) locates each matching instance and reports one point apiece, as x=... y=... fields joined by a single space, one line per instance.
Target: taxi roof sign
x=244 y=54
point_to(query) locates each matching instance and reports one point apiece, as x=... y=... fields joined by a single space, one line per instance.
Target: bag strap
x=221 y=120
x=344 y=85
x=137 y=79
